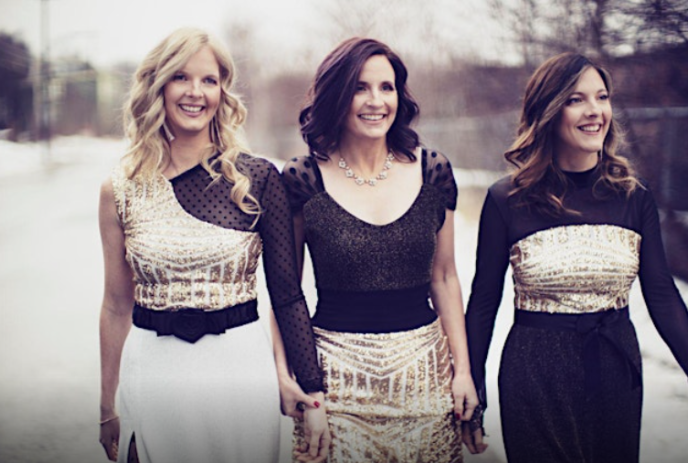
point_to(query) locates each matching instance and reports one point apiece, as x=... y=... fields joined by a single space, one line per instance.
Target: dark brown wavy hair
x=537 y=180
x=330 y=95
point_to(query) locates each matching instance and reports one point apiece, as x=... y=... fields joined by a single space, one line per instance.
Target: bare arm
x=445 y=292
x=115 y=315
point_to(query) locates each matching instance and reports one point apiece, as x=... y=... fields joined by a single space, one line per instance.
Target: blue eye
x=573 y=100
x=179 y=77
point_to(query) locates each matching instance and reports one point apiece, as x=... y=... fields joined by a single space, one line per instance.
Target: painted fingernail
x=316 y=404
x=458 y=416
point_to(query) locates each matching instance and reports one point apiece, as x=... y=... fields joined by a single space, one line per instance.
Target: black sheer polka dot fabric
x=303 y=180
x=437 y=171
x=210 y=202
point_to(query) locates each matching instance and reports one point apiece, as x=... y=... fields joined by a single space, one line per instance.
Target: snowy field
x=50 y=290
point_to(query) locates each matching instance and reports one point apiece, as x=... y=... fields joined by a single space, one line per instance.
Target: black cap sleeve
x=302 y=180
x=437 y=171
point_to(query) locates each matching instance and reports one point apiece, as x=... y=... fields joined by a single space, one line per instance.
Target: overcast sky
x=110 y=31
x=107 y=31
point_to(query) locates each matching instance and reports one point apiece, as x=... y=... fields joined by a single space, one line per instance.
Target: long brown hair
x=537 y=180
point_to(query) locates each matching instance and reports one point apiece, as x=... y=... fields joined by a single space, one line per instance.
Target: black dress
x=570 y=380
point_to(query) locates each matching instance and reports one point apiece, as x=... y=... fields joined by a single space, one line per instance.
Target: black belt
x=383 y=311
x=596 y=327
x=191 y=325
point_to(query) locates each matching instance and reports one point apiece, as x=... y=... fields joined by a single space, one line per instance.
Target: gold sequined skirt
x=389 y=397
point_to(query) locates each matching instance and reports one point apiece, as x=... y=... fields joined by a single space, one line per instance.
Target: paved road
x=50 y=290
x=51 y=281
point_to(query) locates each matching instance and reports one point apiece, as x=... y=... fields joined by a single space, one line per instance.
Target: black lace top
x=504 y=227
x=365 y=264
x=211 y=203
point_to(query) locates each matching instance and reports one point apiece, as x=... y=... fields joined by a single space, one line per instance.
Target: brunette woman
x=577 y=227
x=377 y=212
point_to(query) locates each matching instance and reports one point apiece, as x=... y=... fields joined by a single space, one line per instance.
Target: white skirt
x=213 y=401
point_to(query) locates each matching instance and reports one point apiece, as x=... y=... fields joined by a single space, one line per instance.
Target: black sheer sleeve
x=666 y=308
x=492 y=261
x=210 y=202
x=302 y=180
x=437 y=171
x=279 y=258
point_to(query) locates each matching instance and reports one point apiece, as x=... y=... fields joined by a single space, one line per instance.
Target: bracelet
x=476 y=421
x=113 y=418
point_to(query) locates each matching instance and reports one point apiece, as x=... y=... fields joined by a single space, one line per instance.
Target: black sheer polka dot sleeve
x=209 y=201
x=302 y=180
x=279 y=257
x=437 y=171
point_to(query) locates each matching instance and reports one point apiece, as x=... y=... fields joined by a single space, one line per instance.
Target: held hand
x=473 y=438
x=293 y=401
x=465 y=397
x=109 y=437
x=465 y=403
x=316 y=433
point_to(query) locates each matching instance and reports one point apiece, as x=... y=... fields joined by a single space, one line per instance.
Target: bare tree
x=15 y=90
x=595 y=27
x=656 y=22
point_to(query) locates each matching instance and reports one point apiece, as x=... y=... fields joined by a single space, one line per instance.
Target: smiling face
x=193 y=95
x=374 y=106
x=583 y=123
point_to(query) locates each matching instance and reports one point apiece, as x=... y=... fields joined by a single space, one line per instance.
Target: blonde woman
x=184 y=220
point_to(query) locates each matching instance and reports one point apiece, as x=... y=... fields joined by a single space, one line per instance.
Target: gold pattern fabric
x=575 y=268
x=389 y=396
x=178 y=260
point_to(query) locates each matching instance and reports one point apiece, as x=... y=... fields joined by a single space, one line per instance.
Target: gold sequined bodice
x=178 y=260
x=575 y=268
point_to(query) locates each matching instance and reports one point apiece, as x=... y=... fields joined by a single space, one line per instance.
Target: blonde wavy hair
x=537 y=180
x=144 y=116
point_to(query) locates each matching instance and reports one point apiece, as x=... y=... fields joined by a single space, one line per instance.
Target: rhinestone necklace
x=371 y=181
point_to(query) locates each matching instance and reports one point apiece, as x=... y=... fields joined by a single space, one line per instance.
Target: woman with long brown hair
x=577 y=227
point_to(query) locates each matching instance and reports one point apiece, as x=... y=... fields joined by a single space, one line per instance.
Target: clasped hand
x=312 y=411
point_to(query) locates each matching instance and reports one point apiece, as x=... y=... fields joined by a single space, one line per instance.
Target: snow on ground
x=23 y=158
x=666 y=391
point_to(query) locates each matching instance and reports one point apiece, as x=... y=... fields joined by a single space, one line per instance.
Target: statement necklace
x=371 y=181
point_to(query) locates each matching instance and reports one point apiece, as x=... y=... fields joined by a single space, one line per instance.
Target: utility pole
x=44 y=126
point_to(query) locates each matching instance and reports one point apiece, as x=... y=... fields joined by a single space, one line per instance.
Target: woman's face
x=375 y=102
x=192 y=96
x=584 y=120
